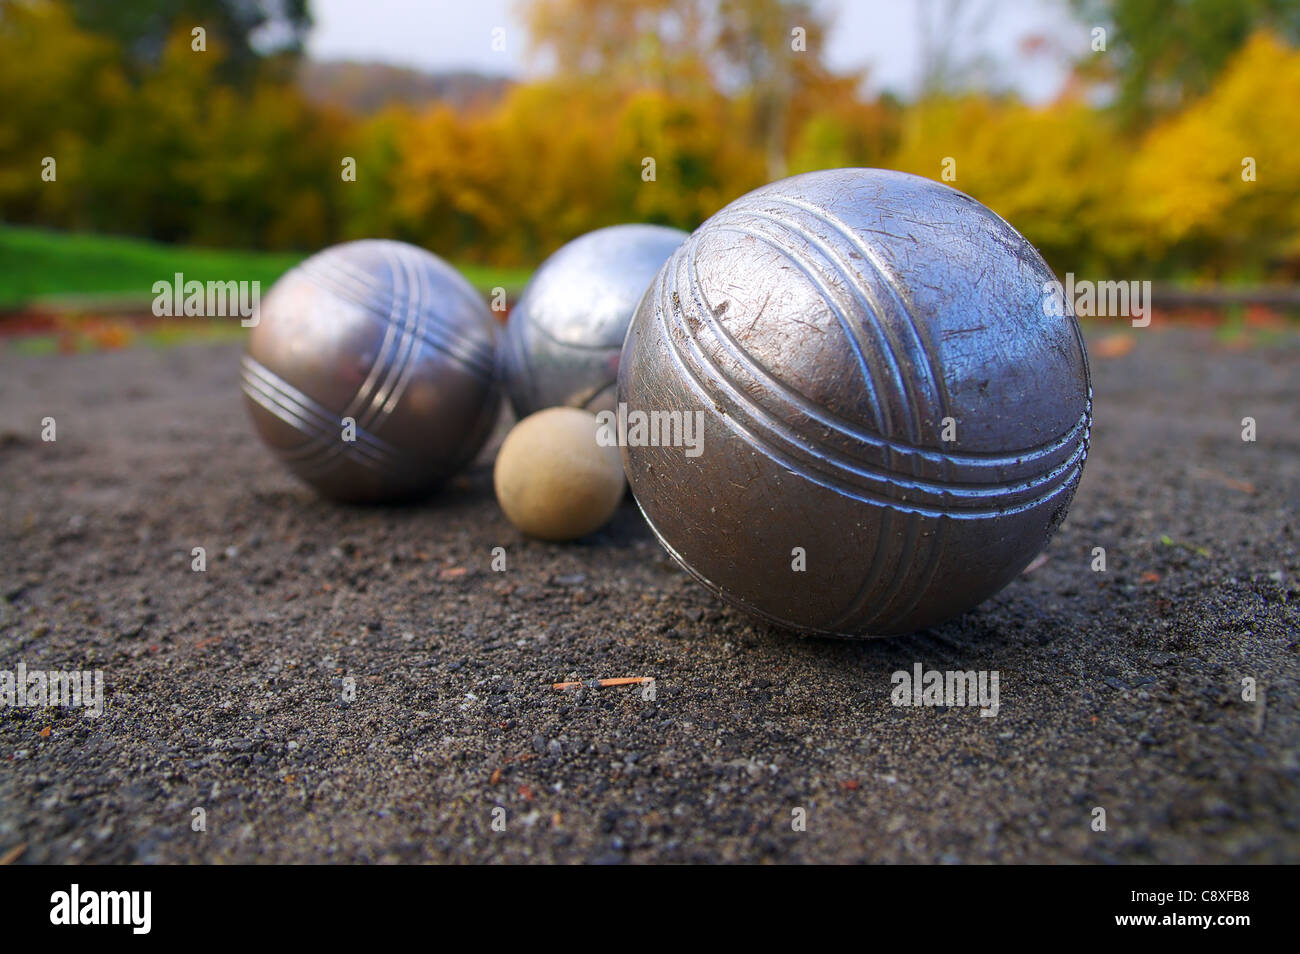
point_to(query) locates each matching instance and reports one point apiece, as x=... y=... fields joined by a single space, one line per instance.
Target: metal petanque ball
x=370 y=372
x=563 y=339
x=896 y=407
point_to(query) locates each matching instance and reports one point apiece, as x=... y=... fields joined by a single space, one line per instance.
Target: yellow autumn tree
x=1219 y=184
x=51 y=68
x=1050 y=170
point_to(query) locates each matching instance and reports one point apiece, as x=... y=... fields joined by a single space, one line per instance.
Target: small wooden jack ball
x=553 y=479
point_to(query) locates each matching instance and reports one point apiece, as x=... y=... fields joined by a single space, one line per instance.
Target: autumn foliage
x=180 y=154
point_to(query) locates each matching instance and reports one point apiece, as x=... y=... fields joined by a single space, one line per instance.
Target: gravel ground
x=224 y=689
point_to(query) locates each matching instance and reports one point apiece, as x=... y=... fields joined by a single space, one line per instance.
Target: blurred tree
x=716 y=91
x=1161 y=54
x=663 y=44
x=368 y=205
x=175 y=154
x=1053 y=172
x=1215 y=186
x=842 y=129
x=776 y=48
x=51 y=68
x=943 y=26
x=765 y=54
x=226 y=166
x=245 y=29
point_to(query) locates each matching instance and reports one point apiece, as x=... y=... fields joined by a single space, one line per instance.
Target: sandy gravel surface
x=224 y=690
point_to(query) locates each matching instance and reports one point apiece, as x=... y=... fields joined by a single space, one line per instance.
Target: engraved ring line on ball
x=914 y=454
x=924 y=348
x=479 y=357
x=996 y=459
x=864 y=592
x=323 y=427
x=867 y=309
x=842 y=466
x=402 y=320
x=898 y=307
x=855 y=313
x=832 y=328
x=845 y=313
x=814 y=453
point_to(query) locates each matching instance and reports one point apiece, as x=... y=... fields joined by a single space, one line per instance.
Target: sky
x=883 y=35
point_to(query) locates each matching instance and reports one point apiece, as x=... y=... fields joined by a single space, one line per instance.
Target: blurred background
x=1128 y=139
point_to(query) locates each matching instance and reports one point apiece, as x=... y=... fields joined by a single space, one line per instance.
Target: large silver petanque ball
x=895 y=406
x=563 y=339
x=371 y=371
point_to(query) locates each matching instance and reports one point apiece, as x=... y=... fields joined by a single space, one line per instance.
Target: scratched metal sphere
x=563 y=339
x=390 y=337
x=885 y=395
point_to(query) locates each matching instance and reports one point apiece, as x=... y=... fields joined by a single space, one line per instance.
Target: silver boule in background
x=389 y=336
x=891 y=400
x=563 y=339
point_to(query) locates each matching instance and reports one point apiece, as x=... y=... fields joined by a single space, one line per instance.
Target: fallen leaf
x=1232 y=483
x=13 y=854
x=605 y=683
x=1114 y=346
